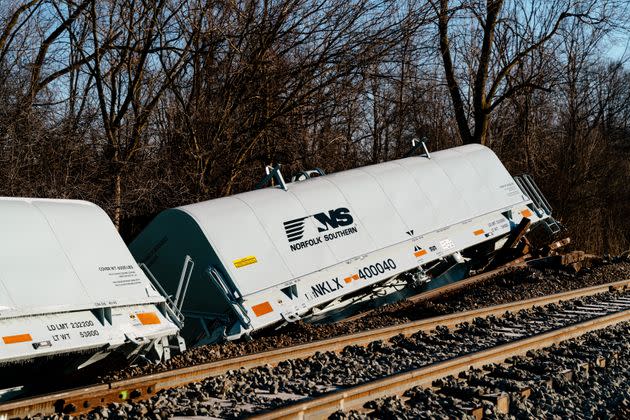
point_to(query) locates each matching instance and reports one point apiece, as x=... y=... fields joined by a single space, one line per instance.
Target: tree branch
x=522 y=54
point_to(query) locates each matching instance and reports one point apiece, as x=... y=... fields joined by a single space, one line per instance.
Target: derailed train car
x=69 y=286
x=245 y=262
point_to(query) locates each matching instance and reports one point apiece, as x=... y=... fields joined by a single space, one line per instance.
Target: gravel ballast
x=519 y=285
x=559 y=385
x=242 y=392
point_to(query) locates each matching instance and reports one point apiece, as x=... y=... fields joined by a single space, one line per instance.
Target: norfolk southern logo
x=329 y=221
x=295 y=229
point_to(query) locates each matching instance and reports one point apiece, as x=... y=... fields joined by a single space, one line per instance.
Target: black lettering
x=327 y=220
x=326 y=287
x=337 y=283
x=343 y=216
x=334 y=219
x=306 y=244
x=317 y=290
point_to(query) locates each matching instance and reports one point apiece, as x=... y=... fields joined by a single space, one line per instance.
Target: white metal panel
x=235 y=233
x=410 y=202
x=497 y=179
x=64 y=255
x=5 y=299
x=439 y=189
x=372 y=206
x=467 y=181
x=80 y=331
x=320 y=195
x=274 y=208
x=35 y=270
x=98 y=255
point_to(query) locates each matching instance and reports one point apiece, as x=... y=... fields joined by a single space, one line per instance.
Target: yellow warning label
x=242 y=262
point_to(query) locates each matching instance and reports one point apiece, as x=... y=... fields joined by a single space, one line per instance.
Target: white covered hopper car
x=241 y=263
x=69 y=286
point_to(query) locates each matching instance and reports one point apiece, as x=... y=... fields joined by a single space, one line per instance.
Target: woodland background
x=143 y=105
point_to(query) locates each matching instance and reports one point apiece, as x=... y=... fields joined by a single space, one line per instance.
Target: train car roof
x=64 y=255
x=326 y=220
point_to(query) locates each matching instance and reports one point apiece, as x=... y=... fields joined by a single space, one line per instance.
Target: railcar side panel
x=284 y=254
x=69 y=285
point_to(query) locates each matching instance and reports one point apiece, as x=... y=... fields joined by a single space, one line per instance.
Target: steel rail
x=356 y=397
x=83 y=399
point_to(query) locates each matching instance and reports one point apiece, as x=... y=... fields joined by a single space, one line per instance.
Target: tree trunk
x=482 y=121
x=449 y=72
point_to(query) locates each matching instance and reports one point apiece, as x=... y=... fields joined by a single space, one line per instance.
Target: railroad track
x=583 y=377
x=355 y=398
x=85 y=399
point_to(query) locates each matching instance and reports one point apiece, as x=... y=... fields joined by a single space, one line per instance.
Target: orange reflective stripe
x=350 y=278
x=526 y=213
x=20 y=338
x=479 y=232
x=420 y=253
x=262 y=308
x=148 y=318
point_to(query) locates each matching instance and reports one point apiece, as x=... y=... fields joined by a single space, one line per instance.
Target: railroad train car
x=69 y=286
x=238 y=264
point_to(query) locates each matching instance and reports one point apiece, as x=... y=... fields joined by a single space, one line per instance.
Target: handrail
x=176 y=315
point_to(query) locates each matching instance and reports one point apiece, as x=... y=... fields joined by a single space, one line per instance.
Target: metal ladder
x=173 y=310
x=542 y=207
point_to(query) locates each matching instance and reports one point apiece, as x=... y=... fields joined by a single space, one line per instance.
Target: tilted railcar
x=245 y=262
x=69 y=286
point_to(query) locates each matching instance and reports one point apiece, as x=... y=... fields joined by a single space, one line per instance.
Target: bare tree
x=140 y=106
x=262 y=68
x=136 y=51
x=506 y=38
